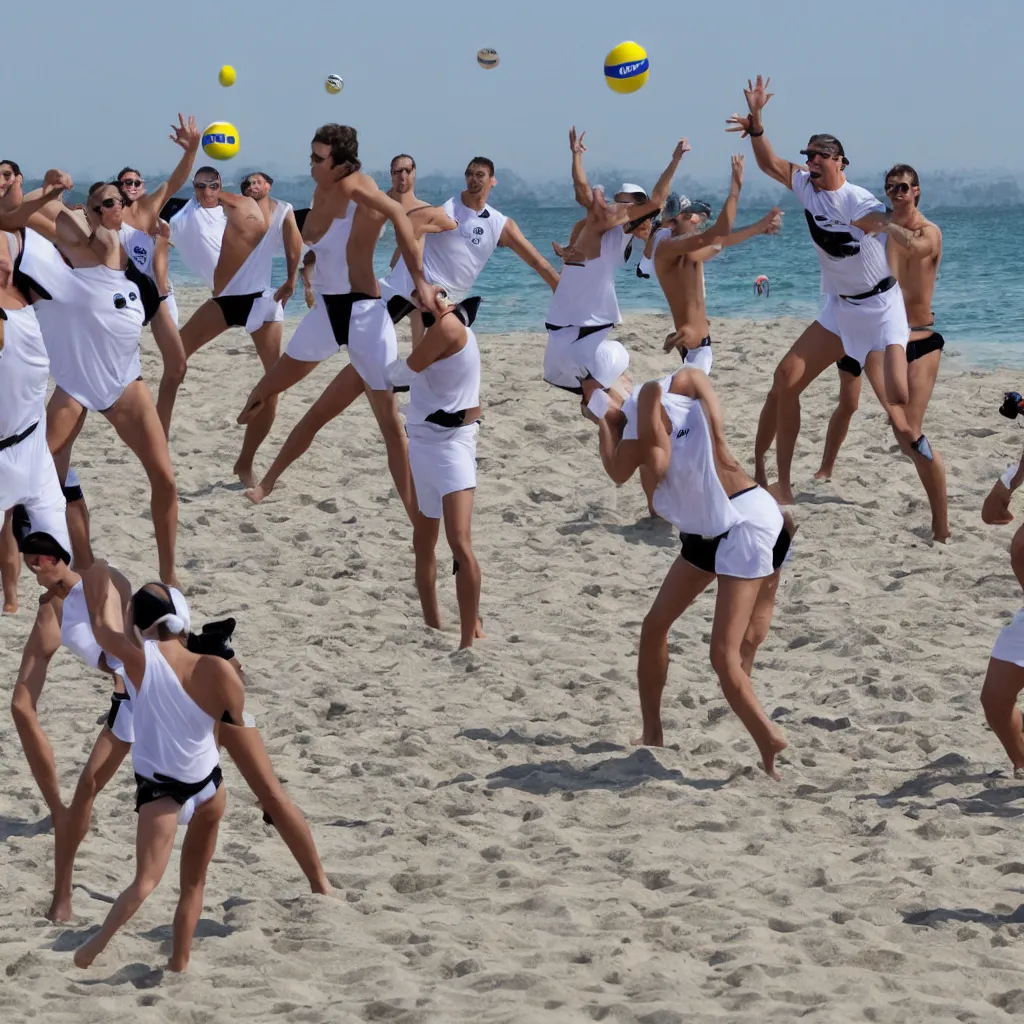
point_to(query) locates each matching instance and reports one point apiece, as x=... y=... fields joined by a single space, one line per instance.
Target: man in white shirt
x=863 y=310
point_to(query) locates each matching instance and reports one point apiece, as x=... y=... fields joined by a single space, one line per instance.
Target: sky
x=931 y=83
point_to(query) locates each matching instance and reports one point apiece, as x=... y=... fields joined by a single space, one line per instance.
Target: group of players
x=78 y=284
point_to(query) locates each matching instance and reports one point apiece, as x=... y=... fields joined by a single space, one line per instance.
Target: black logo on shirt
x=683 y=432
x=120 y=301
x=478 y=231
x=837 y=244
x=475 y=241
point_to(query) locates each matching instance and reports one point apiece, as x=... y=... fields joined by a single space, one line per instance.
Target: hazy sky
x=931 y=82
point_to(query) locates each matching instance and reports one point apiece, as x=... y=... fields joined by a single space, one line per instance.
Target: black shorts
x=149 y=790
x=935 y=342
x=236 y=308
x=700 y=551
x=339 y=312
x=849 y=365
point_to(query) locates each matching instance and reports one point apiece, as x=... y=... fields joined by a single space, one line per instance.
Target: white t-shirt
x=851 y=262
x=197 y=232
x=585 y=295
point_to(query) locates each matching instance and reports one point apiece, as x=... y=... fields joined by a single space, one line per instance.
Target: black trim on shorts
x=582 y=332
x=700 y=551
x=149 y=790
x=781 y=548
x=849 y=365
x=448 y=419
x=236 y=308
x=116 y=700
x=884 y=285
x=935 y=342
x=339 y=312
x=10 y=442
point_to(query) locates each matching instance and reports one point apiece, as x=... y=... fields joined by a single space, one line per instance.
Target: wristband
x=1007 y=478
x=753 y=134
x=599 y=404
x=398 y=372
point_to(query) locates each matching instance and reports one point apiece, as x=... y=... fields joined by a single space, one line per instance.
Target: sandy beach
x=500 y=851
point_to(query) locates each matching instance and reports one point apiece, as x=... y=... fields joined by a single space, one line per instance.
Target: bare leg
x=250 y=757
x=196 y=853
x=906 y=426
x=385 y=409
x=10 y=564
x=683 y=584
x=337 y=397
x=38 y=751
x=64 y=421
x=1003 y=682
x=734 y=608
x=72 y=828
x=154 y=841
x=168 y=341
x=268 y=346
x=458 y=517
x=760 y=621
x=839 y=423
x=134 y=418
x=425 y=532
x=285 y=373
x=897 y=390
x=810 y=355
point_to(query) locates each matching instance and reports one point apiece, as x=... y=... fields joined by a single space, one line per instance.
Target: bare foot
x=85 y=954
x=478 y=633
x=823 y=474
x=178 y=964
x=252 y=408
x=654 y=740
x=940 y=534
x=245 y=474
x=11 y=607
x=258 y=493
x=784 y=496
x=60 y=910
x=775 y=746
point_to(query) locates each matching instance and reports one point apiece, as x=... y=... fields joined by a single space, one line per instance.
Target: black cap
x=825 y=143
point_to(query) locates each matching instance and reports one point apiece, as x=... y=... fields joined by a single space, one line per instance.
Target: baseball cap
x=825 y=143
x=676 y=205
x=630 y=191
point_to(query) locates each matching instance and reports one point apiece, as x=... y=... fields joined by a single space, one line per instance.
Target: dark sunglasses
x=897 y=188
x=131 y=182
x=213 y=186
x=812 y=153
x=107 y=204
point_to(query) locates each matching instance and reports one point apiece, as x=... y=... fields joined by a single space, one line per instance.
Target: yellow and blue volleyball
x=226 y=76
x=627 y=68
x=220 y=140
x=487 y=58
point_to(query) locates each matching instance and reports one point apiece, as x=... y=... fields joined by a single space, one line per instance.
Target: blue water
x=979 y=298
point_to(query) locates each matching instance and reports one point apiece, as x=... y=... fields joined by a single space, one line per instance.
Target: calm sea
x=979 y=299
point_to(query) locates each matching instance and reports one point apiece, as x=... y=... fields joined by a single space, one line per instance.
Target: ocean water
x=979 y=298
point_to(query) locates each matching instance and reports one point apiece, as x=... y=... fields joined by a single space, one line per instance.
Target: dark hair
x=206 y=170
x=152 y=602
x=402 y=156
x=898 y=170
x=247 y=180
x=481 y=161
x=97 y=185
x=128 y=170
x=343 y=143
x=14 y=167
x=35 y=542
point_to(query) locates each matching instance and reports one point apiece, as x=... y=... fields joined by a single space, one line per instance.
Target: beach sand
x=499 y=849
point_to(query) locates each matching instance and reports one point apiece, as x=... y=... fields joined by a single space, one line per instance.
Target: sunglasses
x=213 y=186
x=131 y=182
x=107 y=204
x=897 y=188
x=812 y=153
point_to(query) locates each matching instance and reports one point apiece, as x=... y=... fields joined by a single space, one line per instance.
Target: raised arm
x=624 y=214
x=188 y=136
x=580 y=186
x=512 y=238
x=292 y=239
x=106 y=606
x=757 y=97
x=769 y=224
x=39 y=213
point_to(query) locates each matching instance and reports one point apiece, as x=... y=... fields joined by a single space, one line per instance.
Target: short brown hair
x=343 y=143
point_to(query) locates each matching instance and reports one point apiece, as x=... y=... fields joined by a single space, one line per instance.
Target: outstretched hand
x=740 y=123
x=567 y=253
x=682 y=146
x=576 y=141
x=737 y=170
x=757 y=95
x=186 y=134
x=57 y=181
x=772 y=221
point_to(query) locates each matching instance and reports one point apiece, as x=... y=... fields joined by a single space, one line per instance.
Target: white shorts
x=867 y=325
x=172 y=307
x=752 y=549
x=28 y=477
x=699 y=358
x=443 y=461
x=121 y=719
x=1009 y=645
x=570 y=359
x=363 y=324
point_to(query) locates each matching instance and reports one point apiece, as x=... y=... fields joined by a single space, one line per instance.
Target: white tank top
x=24 y=373
x=255 y=273
x=139 y=247
x=690 y=495
x=173 y=734
x=197 y=234
x=585 y=295
x=449 y=385
x=330 y=272
x=76 y=631
x=454 y=259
